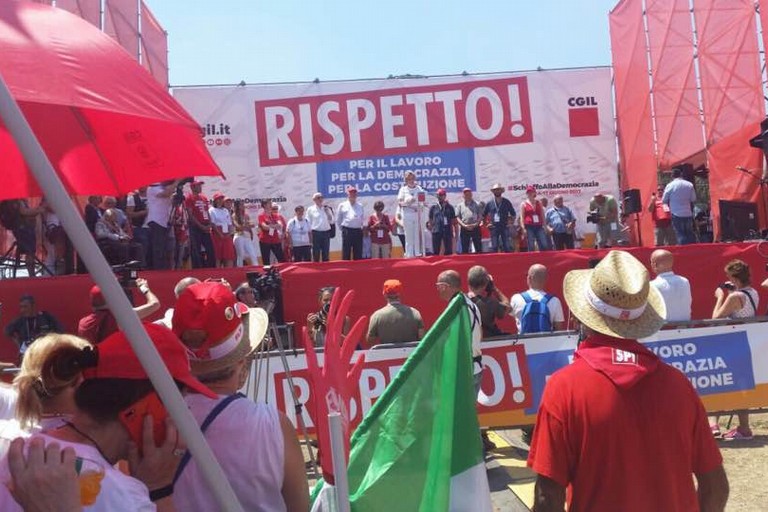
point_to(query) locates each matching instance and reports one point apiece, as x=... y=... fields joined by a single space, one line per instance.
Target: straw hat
x=218 y=330
x=615 y=298
x=497 y=186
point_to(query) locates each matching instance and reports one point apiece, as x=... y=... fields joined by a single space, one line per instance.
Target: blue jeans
x=321 y=245
x=683 y=227
x=536 y=234
x=499 y=237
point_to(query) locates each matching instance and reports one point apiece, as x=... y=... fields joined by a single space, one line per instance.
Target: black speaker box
x=632 y=201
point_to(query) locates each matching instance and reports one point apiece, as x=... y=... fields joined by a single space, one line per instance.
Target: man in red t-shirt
x=619 y=429
x=662 y=219
x=199 y=227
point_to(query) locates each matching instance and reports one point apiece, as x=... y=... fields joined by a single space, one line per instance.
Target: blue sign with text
x=382 y=176
x=540 y=367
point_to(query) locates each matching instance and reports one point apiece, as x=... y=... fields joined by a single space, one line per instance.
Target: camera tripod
x=10 y=262
x=261 y=366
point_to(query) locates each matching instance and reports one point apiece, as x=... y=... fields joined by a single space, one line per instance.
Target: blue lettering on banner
x=383 y=176
x=714 y=364
x=540 y=368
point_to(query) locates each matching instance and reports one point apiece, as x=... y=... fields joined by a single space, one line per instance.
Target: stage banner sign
x=722 y=363
x=550 y=129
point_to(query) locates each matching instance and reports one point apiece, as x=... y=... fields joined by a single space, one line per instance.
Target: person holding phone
x=118 y=416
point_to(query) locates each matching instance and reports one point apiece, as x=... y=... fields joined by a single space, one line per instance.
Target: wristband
x=144 y=290
x=163 y=492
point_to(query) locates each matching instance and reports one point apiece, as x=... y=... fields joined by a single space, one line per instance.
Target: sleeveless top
x=529 y=211
x=748 y=310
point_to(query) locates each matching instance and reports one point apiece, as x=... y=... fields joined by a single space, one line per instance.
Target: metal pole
x=341 y=486
x=102 y=274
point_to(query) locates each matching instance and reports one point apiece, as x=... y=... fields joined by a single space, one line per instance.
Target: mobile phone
x=132 y=418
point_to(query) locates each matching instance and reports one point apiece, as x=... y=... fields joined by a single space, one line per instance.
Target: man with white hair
x=618 y=428
x=561 y=224
x=535 y=310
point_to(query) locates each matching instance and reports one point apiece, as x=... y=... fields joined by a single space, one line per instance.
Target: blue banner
x=714 y=364
x=540 y=367
x=376 y=176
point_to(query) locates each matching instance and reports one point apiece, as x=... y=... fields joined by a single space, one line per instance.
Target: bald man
x=535 y=310
x=675 y=289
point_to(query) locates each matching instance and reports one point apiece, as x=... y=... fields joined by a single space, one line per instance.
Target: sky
x=226 y=41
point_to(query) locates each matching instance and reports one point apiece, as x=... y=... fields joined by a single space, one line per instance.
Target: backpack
x=10 y=214
x=535 y=317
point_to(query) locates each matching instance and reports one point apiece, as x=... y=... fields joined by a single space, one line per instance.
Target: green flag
x=419 y=448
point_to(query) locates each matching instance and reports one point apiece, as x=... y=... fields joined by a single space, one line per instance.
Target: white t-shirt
x=8 y=398
x=408 y=198
x=320 y=219
x=248 y=443
x=676 y=292
x=554 y=306
x=299 y=231
x=221 y=217
x=119 y=492
x=158 y=208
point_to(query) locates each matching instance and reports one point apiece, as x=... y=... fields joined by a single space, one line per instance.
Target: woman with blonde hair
x=46 y=391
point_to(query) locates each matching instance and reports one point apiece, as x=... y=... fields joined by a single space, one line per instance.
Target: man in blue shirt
x=560 y=224
x=679 y=195
x=499 y=213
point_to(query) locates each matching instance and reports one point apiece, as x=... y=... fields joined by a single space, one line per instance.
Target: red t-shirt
x=264 y=235
x=198 y=206
x=97 y=326
x=375 y=238
x=661 y=214
x=530 y=211
x=623 y=448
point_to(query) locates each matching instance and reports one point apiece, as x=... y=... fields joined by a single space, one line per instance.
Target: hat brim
x=575 y=287
x=256 y=323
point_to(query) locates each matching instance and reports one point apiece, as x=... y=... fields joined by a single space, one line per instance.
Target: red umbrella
x=104 y=122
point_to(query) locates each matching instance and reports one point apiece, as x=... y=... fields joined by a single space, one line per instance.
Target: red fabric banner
x=729 y=67
x=67 y=297
x=121 y=21
x=89 y=10
x=633 y=107
x=154 y=46
x=675 y=100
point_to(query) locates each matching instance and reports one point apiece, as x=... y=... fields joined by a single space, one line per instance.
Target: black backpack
x=10 y=214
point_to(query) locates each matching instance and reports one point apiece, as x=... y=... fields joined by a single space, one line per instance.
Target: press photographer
x=316 y=322
x=268 y=292
x=604 y=212
x=100 y=323
x=491 y=302
x=30 y=324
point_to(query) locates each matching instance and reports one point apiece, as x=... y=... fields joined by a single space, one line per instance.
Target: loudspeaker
x=632 y=201
x=738 y=221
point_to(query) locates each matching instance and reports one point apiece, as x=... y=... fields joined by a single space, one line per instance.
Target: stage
x=66 y=297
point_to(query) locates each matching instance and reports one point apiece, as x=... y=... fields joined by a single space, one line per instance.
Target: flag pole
x=338 y=455
x=56 y=196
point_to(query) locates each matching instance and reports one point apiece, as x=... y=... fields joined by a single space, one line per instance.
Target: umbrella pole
x=102 y=274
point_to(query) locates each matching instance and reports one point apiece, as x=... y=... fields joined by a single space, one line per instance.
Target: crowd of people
x=163 y=226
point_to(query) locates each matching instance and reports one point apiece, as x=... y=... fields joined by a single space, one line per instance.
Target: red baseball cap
x=116 y=359
x=197 y=182
x=530 y=188
x=97 y=298
x=441 y=192
x=392 y=287
x=218 y=195
x=351 y=189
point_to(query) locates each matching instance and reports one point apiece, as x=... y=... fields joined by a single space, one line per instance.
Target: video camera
x=268 y=287
x=593 y=217
x=178 y=195
x=127 y=273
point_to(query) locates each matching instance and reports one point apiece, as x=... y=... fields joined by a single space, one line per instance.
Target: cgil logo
x=216 y=134
x=583 y=116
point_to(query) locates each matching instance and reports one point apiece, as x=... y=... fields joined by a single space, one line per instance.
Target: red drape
x=633 y=108
x=154 y=46
x=675 y=100
x=121 y=21
x=67 y=297
x=89 y=10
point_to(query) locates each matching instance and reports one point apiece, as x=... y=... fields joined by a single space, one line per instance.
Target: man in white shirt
x=349 y=218
x=680 y=195
x=158 y=213
x=320 y=217
x=675 y=289
x=535 y=310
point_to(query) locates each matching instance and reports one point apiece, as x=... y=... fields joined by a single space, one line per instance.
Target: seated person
x=117 y=245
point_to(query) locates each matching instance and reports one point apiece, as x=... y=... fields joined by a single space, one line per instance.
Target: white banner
x=550 y=129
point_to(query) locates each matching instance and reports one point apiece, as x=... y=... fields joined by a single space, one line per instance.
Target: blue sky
x=225 y=41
